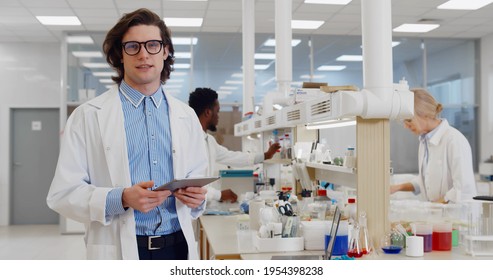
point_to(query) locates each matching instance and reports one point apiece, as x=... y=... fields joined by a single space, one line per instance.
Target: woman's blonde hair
x=425 y=105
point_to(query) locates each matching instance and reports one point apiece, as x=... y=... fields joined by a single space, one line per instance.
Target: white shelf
x=331 y=167
x=278 y=161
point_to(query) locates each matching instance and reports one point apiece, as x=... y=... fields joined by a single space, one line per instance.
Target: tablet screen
x=187 y=182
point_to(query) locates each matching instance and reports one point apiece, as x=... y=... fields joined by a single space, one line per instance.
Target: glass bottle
x=349 y=160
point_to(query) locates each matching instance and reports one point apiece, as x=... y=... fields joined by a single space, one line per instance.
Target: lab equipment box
x=239 y=181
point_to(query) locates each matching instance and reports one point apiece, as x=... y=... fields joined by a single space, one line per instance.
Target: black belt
x=160 y=241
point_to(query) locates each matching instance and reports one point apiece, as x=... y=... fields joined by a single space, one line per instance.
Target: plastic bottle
x=287 y=146
x=349 y=159
x=275 y=138
x=350 y=210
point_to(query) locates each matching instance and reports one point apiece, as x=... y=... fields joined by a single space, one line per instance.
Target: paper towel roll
x=254 y=213
x=414 y=246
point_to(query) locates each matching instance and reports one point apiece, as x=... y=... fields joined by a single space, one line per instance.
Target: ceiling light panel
x=265 y=56
x=272 y=42
x=96 y=65
x=306 y=24
x=181 y=65
x=227 y=88
x=184 y=41
x=183 y=22
x=328 y=2
x=312 y=77
x=103 y=74
x=350 y=58
x=84 y=40
x=59 y=20
x=331 y=67
x=229 y=82
x=87 y=54
x=464 y=4
x=261 y=66
x=415 y=28
x=182 y=55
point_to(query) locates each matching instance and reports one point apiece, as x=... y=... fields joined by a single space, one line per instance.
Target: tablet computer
x=186 y=182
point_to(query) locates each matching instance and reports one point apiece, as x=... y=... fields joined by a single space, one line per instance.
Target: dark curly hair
x=201 y=99
x=112 y=46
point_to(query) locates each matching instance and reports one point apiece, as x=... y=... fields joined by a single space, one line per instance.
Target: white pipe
x=284 y=54
x=425 y=63
x=310 y=44
x=377 y=57
x=380 y=98
x=248 y=27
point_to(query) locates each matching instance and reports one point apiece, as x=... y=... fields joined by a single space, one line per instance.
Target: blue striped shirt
x=149 y=152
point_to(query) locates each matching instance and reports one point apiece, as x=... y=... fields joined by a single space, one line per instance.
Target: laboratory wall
x=486 y=105
x=29 y=78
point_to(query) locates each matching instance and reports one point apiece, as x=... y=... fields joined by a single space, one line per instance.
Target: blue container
x=340 y=245
x=235 y=173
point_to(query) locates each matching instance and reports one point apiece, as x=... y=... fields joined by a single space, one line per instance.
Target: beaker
x=426 y=231
x=442 y=237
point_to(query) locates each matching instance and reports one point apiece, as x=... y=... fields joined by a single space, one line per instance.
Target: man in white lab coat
x=206 y=105
x=120 y=145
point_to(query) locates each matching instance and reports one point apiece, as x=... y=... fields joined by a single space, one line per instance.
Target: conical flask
x=364 y=236
x=355 y=249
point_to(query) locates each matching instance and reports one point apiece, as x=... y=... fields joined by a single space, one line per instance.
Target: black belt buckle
x=149 y=243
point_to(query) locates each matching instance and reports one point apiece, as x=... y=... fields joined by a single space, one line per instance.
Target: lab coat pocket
x=101 y=252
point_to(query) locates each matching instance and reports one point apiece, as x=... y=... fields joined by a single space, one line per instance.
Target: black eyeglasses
x=151 y=46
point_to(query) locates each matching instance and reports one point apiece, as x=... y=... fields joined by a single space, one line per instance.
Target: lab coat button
x=108 y=148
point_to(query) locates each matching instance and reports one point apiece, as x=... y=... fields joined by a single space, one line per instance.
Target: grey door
x=34 y=149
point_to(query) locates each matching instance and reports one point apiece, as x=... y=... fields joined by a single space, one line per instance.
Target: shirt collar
x=427 y=136
x=135 y=97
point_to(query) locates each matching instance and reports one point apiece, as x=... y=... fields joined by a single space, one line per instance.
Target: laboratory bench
x=219 y=240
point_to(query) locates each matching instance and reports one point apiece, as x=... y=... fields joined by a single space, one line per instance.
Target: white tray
x=278 y=244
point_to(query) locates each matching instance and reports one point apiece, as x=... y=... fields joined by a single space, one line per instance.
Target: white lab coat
x=220 y=155
x=93 y=160
x=449 y=173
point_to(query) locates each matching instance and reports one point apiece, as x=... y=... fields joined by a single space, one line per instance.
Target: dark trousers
x=167 y=247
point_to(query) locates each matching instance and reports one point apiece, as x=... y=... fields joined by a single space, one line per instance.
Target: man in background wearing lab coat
x=206 y=105
x=120 y=145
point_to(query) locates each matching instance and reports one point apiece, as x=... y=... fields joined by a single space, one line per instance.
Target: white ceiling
x=218 y=53
x=18 y=22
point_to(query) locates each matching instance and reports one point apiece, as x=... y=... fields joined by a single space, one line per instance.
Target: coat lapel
x=111 y=128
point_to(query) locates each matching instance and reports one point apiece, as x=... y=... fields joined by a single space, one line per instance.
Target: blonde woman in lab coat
x=121 y=144
x=445 y=159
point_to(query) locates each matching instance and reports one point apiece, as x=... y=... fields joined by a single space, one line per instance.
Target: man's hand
x=140 y=198
x=273 y=148
x=191 y=196
x=228 y=195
